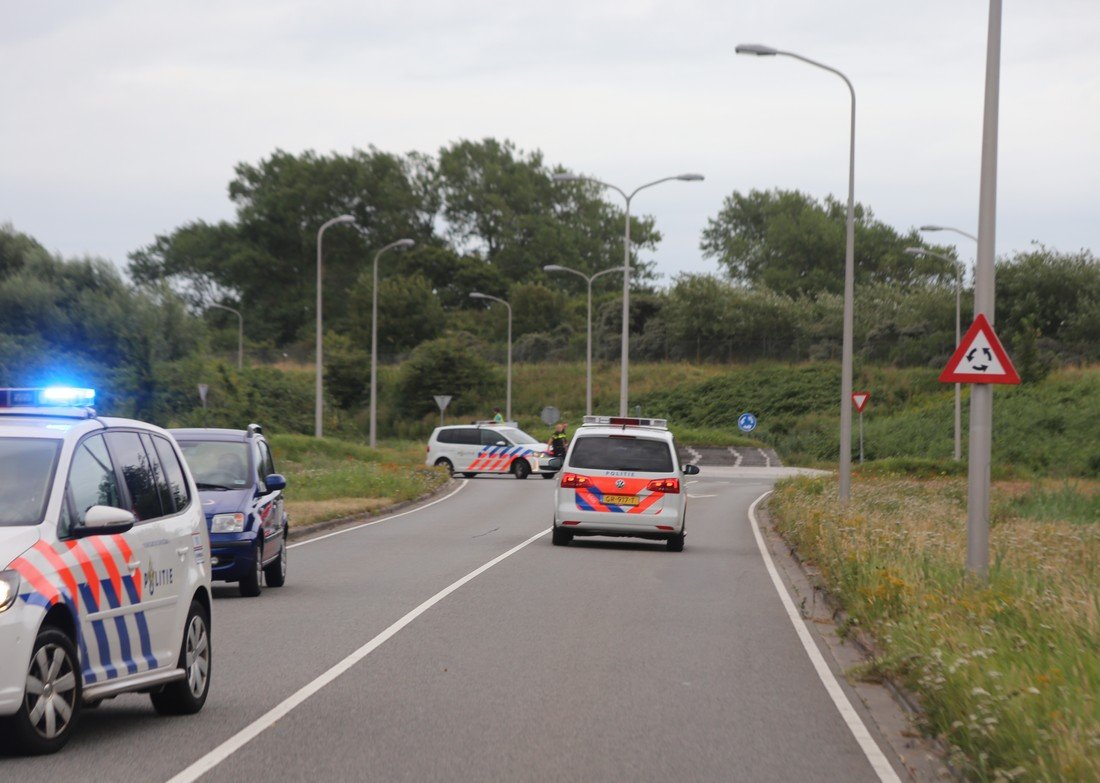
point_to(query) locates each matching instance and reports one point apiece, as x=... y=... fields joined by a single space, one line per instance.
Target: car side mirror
x=554 y=463
x=274 y=482
x=103 y=521
x=690 y=470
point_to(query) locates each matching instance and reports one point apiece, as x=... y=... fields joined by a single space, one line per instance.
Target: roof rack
x=62 y=401
x=626 y=421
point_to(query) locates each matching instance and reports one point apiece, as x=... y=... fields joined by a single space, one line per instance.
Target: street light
x=588 y=364
x=374 y=333
x=318 y=404
x=849 y=273
x=919 y=251
x=948 y=228
x=626 y=263
x=240 y=331
x=508 y=405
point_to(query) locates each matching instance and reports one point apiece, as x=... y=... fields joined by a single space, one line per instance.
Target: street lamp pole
x=919 y=251
x=508 y=404
x=240 y=331
x=588 y=363
x=624 y=371
x=849 y=273
x=318 y=404
x=374 y=335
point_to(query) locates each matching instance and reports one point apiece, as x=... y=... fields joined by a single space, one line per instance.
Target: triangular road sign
x=980 y=358
x=859 y=399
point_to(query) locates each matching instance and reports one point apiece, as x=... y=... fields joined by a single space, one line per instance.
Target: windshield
x=518 y=437
x=621 y=453
x=217 y=464
x=26 y=475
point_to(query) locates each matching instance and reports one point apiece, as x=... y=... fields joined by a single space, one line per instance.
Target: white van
x=486 y=447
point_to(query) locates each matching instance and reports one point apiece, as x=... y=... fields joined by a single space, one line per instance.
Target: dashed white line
x=268 y=719
x=867 y=744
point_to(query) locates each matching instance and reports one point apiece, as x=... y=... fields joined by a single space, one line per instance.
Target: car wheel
x=186 y=696
x=51 y=701
x=676 y=543
x=561 y=536
x=521 y=469
x=275 y=573
x=445 y=463
x=549 y=475
x=468 y=474
x=252 y=582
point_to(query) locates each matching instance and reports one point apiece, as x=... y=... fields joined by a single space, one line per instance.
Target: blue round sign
x=746 y=422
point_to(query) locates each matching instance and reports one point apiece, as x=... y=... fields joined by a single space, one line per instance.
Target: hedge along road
x=455 y=642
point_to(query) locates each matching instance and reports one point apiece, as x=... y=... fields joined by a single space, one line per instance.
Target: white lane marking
x=383 y=519
x=701 y=496
x=867 y=743
x=737 y=456
x=268 y=719
x=767 y=459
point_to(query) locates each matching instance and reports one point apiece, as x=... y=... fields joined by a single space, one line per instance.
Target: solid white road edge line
x=265 y=721
x=867 y=743
x=451 y=494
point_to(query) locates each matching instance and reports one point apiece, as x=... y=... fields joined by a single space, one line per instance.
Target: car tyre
x=549 y=475
x=467 y=474
x=45 y=719
x=252 y=582
x=676 y=543
x=442 y=462
x=186 y=696
x=561 y=536
x=275 y=572
x=521 y=469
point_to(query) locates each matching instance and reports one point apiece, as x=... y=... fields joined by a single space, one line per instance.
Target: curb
x=305 y=531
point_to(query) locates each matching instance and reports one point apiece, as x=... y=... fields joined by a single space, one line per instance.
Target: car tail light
x=669 y=486
x=573 y=481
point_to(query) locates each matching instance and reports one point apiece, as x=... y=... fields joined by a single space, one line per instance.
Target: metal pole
x=508 y=404
x=981 y=395
x=849 y=307
x=958 y=386
x=861 y=437
x=588 y=358
x=624 y=372
x=318 y=404
x=373 y=349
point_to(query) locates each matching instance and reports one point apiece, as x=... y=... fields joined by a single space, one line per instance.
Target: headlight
x=9 y=588
x=227 y=523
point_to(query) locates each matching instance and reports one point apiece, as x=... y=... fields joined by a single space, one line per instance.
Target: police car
x=622 y=477
x=104 y=567
x=487 y=447
x=242 y=497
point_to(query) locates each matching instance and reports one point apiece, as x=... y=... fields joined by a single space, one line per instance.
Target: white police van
x=622 y=477
x=487 y=447
x=104 y=567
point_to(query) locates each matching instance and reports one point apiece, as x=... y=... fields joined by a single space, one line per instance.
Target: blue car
x=242 y=497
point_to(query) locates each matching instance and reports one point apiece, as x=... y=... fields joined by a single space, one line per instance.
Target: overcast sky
x=122 y=119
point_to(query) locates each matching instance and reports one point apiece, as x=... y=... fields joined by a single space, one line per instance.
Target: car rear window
x=621 y=453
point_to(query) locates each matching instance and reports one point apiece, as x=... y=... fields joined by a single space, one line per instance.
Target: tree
x=450 y=365
x=794 y=244
x=408 y=313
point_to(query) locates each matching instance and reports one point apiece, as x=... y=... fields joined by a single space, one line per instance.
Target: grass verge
x=1007 y=670
x=329 y=478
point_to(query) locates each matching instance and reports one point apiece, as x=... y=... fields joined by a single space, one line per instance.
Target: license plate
x=621 y=500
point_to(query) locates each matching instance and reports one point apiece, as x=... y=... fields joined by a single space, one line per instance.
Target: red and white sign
x=980 y=358
x=859 y=399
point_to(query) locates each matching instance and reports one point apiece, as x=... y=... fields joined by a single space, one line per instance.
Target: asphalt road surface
x=609 y=659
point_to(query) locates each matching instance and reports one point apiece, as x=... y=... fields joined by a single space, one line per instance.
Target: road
x=604 y=660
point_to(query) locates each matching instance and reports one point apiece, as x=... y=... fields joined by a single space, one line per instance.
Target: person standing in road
x=558 y=440
x=498 y=417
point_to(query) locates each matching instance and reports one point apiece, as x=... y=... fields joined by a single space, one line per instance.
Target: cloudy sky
x=123 y=119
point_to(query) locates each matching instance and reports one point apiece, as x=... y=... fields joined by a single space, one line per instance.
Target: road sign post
x=442 y=400
x=859 y=399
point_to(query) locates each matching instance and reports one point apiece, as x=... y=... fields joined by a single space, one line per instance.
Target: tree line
x=488 y=216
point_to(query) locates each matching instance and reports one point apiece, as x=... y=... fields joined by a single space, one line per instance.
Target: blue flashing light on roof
x=66 y=401
x=67 y=395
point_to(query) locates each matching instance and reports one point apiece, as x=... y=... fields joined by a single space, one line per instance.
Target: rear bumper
x=661 y=525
